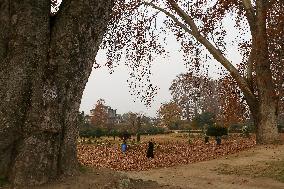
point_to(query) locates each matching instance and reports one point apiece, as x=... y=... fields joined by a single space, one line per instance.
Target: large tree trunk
x=265 y=113
x=266 y=124
x=45 y=64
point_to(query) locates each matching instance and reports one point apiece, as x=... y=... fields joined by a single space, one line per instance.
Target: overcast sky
x=113 y=88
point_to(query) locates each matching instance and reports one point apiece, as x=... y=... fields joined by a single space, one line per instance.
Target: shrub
x=206 y=118
x=113 y=133
x=280 y=128
x=216 y=131
x=125 y=135
x=235 y=128
x=154 y=130
x=96 y=132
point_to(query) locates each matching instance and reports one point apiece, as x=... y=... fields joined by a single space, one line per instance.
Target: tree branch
x=217 y=54
x=265 y=84
x=251 y=17
x=250 y=14
x=183 y=26
x=250 y=64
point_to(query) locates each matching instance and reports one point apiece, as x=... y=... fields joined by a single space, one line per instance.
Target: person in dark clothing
x=218 y=140
x=150 y=151
x=206 y=139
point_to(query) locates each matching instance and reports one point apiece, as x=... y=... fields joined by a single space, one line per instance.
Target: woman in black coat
x=150 y=151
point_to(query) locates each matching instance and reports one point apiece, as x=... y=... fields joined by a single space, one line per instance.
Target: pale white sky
x=113 y=88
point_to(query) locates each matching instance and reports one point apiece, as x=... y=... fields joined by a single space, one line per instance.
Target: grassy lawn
x=276 y=171
x=271 y=169
x=160 y=138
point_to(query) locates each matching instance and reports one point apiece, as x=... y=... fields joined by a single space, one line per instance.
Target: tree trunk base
x=37 y=160
x=267 y=131
x=264 y=140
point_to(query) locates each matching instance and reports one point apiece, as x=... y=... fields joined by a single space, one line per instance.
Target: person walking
x=150 y=151
x=124 y=146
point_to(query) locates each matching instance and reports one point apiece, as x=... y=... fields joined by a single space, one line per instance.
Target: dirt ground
x=213 y=174
x=216 y=173
x=261 y=167
x=102 y=179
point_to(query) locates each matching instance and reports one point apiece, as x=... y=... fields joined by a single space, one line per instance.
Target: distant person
x=124 y=146
x=206 y=139
x=218 y=140
x=150 y=151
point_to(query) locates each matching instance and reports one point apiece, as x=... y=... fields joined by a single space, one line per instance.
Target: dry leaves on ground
x=166 y=154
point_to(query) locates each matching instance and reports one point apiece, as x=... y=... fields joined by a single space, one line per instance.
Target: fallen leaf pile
x=165 y=154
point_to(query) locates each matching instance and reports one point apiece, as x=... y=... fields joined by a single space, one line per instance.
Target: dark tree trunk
x=138 y=134
x=266 y=113
x=266 y=125
x=264 y=106
x=45 y=64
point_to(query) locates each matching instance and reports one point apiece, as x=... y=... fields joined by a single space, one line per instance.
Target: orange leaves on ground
x=166 y=154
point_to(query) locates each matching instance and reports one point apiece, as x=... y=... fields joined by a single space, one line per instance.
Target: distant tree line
x=101 y=123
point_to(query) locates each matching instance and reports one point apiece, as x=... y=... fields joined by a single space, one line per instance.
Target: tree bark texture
x=266 y=117
x=45 y=64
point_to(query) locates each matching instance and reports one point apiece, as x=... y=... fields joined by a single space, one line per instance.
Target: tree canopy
x=194 y=94
x=170 y=114
x=99 y=114
x=200 y=28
